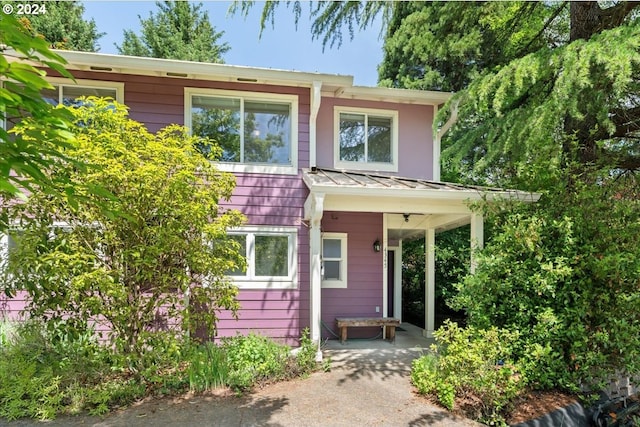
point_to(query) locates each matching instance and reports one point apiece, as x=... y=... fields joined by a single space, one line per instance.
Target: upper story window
x=257 y=132
x=66 y=92
x=366 y=139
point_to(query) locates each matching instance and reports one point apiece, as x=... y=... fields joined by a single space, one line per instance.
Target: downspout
x=438 y=137
x=316 y=98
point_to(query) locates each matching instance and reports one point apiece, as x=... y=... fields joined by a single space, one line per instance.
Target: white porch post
x=477 y=237
x=430 y=282
x=315 y=247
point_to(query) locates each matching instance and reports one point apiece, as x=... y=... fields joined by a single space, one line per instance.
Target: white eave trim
x=384 y=94
x=419 y=193
x=90 y=61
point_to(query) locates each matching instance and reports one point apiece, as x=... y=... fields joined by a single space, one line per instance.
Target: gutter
x=438 y=137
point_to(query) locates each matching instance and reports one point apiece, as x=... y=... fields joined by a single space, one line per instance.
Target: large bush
x=158 y=264
x=565 y=273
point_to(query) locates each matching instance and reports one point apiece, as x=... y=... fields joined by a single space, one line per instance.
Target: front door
x=391 y=285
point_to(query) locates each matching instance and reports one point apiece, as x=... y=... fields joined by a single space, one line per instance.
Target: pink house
x=331 y=176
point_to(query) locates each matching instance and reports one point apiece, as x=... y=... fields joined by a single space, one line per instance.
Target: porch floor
x=408 y=337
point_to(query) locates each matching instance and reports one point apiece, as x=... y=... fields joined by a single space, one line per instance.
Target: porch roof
x=354 y=183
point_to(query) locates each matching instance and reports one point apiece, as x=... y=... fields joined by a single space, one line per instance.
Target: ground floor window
x=271 y=254
x=334 y=260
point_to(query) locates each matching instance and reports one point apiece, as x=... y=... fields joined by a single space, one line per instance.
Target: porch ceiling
x=367 y=192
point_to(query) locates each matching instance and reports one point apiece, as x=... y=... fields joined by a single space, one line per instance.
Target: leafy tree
x=161 y=262
x=64 y=27
x=539 y=87
x=28 y=154
x=179 y=30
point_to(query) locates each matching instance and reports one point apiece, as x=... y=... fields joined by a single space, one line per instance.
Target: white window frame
x=236 y=167
x=336 y=284
x=60 y=82
x=371 y=166
x=89 y=84
x=252 y=281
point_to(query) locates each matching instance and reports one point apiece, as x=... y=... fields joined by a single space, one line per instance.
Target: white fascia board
x=453 y=195
x=410 y=96
x=196 y=70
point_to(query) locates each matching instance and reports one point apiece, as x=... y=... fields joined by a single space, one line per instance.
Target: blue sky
x=280 y=47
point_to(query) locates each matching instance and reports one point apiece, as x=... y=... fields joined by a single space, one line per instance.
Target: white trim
x=252 y=281
x=342 y=283
x=437 y=143
x=476 y=238
x=316 y=99
x=122 y=64
x=430 y=282
x=275 y=169
x=89 y=84
x=385 y=265
x=369 y=166
x=313 y=209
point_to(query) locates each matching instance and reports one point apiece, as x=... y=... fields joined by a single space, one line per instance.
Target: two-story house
x=331 y=176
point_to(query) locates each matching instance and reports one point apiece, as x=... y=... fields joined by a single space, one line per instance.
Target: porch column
x=477 y=237
x=430 y=283
x=315 y=250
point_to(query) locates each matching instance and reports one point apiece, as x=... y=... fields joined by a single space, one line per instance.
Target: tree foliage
x=64 y=27
x=28 y=154
x=178 y=30
x=565 y=273
x=160 y=263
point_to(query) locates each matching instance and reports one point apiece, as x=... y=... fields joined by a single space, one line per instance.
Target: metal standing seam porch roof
x=345 y=182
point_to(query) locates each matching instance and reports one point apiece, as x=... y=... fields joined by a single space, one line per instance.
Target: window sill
x=264 y=169
x=371 y=167
x=265 y=284
x=333 y=285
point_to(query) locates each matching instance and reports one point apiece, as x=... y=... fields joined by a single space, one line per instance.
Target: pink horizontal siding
x=364 y=275
x=274 y=200
x=11 y=309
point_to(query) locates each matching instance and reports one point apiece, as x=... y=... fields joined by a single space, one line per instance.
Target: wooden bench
x=388 y=324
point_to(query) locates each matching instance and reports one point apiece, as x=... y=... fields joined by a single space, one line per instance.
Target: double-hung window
x=257 y=132
x=334 y=260
x=271 y=254
x=366 y=139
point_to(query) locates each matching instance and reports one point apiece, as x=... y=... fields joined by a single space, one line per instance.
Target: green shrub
x=564 y=272
x=475 y=362
x=254 y=358
x=207 y=367
x=44 y=374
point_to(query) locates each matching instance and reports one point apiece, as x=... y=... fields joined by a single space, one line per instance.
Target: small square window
x=334 y=260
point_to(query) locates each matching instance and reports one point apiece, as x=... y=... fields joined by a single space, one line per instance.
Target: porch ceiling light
x=376 y=245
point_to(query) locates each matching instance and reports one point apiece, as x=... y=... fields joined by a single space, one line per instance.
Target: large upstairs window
x=257 y=132
x=366 y=139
